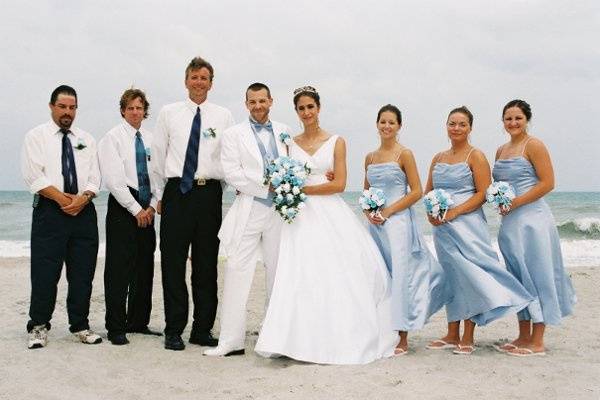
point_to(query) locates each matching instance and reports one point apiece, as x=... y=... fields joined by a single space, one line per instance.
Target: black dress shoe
x=204 y=339
x=118 y=339
x=174 y=342
x=144 y=331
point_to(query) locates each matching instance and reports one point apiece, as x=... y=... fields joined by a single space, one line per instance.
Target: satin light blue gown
x=418 y=284
x=530 y=245
x=483 y=290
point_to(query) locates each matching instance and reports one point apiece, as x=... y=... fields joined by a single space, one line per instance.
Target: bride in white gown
x=330 y=302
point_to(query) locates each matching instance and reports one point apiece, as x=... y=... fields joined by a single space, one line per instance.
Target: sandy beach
x=67 y=369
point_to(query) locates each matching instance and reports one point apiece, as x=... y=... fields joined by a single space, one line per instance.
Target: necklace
x=455 y=152
x=310 y=145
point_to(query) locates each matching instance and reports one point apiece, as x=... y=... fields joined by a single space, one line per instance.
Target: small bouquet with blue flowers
x=437 y=203
x=287 y=177
x=500 y=195
x=285 y=138
x=372 y=200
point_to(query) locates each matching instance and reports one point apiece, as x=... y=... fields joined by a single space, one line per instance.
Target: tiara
x=304 y=89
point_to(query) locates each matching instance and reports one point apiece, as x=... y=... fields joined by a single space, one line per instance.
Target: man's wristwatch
x=88 y=196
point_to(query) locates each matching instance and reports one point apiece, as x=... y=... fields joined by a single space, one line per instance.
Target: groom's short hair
x=256 y=86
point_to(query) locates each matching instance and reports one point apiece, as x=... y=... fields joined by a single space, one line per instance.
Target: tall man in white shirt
x=125 y=162
x=60 y=166
x=251 y=222
x=186 y=151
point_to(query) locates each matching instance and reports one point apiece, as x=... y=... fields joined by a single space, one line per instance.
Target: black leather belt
x=198 y=181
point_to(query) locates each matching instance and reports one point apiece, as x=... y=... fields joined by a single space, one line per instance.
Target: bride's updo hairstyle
x=390 y=108
x=521 y=105
x=307 y=91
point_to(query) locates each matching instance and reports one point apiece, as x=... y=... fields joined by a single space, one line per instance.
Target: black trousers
x=58 y=238
x=129 y=270
x=188 y=219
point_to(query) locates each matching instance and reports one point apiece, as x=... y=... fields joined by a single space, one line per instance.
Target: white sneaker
x=38 y=337
x=87 y=336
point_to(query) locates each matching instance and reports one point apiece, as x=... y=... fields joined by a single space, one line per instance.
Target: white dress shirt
x=172 y=134
x=116 y=152
x=265 y=136
x=41 y=159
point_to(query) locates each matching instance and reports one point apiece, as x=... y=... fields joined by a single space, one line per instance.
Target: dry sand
x=67 y=369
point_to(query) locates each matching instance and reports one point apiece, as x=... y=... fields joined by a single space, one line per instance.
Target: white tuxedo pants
x=263 y=231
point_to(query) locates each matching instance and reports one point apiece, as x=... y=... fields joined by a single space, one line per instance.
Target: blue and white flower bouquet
x=287 y=177
x=437 y=203
x=372 y=200
x=500 y=195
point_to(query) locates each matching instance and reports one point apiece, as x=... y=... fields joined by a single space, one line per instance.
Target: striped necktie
x=191 y=155
x=69 y=172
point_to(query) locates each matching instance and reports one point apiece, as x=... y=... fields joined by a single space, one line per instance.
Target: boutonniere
x=80 y=144
x=148 y=154
x=285 y=138
x=210 y=132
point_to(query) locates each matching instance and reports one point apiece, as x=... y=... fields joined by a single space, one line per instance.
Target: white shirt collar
x=193 y=106
x=56 y=129
x=130 y=129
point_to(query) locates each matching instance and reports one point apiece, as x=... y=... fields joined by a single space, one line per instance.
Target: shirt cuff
x=92 y=188
x=135 y=209
x=39 y=184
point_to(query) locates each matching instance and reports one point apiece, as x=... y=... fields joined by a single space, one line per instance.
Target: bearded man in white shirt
x=251 y=223
x=186 y=151
x=125 y=163
x=59 y=163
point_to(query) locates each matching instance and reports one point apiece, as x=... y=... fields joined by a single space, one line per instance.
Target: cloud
x=426 y=57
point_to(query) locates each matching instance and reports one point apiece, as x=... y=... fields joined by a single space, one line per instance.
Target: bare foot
x=508 y=346
x=527 y=351
x=464 y=349
x=401 y=348
x=443 y=343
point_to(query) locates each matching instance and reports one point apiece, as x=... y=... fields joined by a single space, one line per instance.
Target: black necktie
x=68 y=164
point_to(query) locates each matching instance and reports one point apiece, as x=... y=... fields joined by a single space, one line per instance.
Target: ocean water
x=577 y=216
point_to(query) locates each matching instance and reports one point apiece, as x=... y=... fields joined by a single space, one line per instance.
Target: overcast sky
x=426 y=57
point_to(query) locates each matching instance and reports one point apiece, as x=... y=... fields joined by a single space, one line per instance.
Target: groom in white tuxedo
x=251 y=223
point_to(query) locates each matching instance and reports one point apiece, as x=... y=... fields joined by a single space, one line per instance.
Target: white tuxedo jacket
x=244 y=170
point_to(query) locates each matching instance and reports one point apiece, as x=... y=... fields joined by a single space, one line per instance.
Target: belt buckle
x=200 y=181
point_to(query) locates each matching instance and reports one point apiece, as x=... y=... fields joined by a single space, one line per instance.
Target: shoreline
x=143 y=369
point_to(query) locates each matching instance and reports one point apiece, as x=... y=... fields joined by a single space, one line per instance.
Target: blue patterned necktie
x=68 y=164
x=142 y=171
x=191 y=155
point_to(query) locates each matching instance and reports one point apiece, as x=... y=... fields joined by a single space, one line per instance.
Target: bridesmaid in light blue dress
x=418 y=285
x=528 y=238
x=482 y=289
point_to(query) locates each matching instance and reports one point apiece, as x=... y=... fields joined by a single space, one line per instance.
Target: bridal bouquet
x=437 y=202
x=372 y=200
x=500 y=195
x=287 y=177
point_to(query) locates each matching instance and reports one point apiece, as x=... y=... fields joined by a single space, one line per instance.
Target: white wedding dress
x=331 y=299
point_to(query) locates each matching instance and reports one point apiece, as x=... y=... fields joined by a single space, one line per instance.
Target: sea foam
x=580 y=228
x=576 y=253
